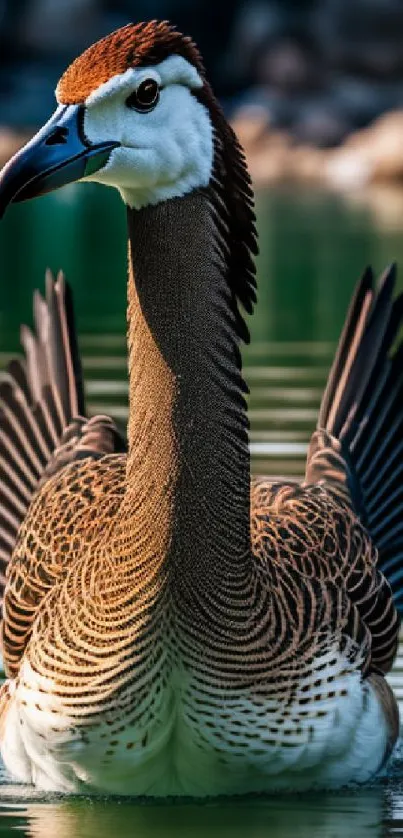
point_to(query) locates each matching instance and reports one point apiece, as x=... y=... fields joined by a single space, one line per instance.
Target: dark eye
x=146 y=96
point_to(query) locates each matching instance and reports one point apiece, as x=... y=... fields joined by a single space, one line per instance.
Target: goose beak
x=58 y=154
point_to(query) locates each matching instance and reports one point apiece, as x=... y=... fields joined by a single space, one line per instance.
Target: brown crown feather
x=147 y=44
x=134 y=45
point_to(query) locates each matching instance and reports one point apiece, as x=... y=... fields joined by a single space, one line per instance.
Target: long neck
x=188 y=463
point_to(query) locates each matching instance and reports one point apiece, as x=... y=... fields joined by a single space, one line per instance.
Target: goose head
x=135 y=112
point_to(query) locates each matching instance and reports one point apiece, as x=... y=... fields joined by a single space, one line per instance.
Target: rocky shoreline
x=370 y=155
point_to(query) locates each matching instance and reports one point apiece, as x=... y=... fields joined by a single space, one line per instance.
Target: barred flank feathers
x=42 y=412
x=362 y=411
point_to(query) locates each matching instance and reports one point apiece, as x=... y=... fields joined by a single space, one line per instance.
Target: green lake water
x=313 y=246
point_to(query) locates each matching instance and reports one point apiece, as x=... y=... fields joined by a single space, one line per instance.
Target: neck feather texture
x=188 y=463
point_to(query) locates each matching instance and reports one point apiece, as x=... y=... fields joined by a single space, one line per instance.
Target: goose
x=170 y=625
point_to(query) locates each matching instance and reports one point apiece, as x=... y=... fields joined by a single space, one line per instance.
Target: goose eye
x=146 y=96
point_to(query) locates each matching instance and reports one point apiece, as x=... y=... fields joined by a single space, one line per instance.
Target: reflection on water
x=328 y=816
x=313 y=248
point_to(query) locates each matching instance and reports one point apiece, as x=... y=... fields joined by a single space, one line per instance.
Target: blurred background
x=299 y=77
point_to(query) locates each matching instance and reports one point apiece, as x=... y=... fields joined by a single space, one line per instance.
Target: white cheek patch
x=164 y=153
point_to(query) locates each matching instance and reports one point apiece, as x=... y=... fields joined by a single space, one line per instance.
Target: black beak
x=58 y=154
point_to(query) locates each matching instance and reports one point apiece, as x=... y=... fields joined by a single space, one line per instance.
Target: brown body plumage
x=169 y=625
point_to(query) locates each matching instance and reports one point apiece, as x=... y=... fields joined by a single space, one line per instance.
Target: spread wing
x=43 y=426
x=343 y=527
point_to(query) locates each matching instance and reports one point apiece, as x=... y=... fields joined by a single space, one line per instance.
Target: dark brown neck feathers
x=187 y=410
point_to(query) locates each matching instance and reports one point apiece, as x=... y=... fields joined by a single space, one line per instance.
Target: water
x=313 y=248
x=370 y=814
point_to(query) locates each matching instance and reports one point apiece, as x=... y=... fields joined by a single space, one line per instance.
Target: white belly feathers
x=201 y=742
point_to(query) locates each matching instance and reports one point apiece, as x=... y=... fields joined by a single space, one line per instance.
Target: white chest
x=189 y=740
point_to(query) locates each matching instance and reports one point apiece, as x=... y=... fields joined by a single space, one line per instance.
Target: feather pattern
x=170 y=626
x=360 y=424
x=42 y=413
x=297 y=642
